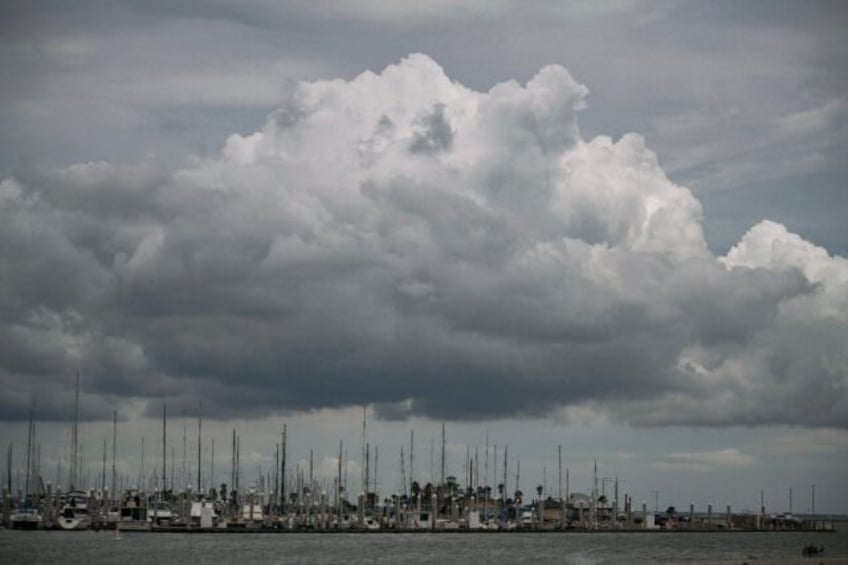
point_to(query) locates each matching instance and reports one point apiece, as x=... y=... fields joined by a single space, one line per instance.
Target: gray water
x=69 y=548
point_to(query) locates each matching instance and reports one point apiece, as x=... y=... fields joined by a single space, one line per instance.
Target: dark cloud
x=436 y=252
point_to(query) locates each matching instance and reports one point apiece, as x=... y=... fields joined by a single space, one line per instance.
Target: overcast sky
x=618 y=226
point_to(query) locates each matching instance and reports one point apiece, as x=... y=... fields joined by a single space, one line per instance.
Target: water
x=70 y=548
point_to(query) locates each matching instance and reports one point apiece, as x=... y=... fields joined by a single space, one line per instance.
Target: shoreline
x=264 y=531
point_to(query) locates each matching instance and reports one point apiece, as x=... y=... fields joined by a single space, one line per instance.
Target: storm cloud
x=401 y=240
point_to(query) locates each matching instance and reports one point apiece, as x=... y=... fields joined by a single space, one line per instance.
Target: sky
x=618 y=227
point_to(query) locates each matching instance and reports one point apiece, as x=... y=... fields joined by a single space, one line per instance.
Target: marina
x=298 y=501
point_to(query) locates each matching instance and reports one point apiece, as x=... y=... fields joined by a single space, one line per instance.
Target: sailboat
x=27 y=516
x=74 y=514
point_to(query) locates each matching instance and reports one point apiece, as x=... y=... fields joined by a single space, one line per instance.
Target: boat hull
x=74 y=523
x=25 y=524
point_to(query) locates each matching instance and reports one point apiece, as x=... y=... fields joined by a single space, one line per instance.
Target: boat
x=204 y=514
x=74 y=514
x=134 y=515
x=26 y=518
x=161 y=513
x=252 y=515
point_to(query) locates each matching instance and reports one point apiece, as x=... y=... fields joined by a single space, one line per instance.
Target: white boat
x=25 y=519
x=203 y=514
x=74 y=514
x=252 y=514
x=160 y=513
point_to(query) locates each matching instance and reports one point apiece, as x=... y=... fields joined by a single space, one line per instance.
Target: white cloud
x=403 y=240
x=813 y=120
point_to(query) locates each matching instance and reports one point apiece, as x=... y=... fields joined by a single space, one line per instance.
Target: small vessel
x=252 y=514
x=26 y=518
x=134 y=515
x=204 y=514
x=160 y=513
x=371 y=522
x=74 y=514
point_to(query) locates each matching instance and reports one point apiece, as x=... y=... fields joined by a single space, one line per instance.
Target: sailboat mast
x=442 y=479
x=283 y=471
x=339 y=485
x=486 y=463
x=506 y=463
x=164 y=446
x=114 y=452
x=75 y=438
x=559 y=468
x=184 y=473
x=142 y=478
x=9 y=468
x=199 y=444
x=402 y=473
x=103 y=474
x=364 y=452
x=29 y=456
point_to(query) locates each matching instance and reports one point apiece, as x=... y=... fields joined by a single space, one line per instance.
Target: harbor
x=297 y=500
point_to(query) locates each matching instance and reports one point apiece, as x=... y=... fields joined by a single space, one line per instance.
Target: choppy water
x=69 y=548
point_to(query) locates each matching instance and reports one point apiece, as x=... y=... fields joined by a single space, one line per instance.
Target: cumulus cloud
x=401 y=240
